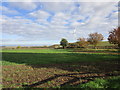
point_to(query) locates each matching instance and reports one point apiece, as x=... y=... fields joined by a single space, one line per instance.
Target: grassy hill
x=104 y=43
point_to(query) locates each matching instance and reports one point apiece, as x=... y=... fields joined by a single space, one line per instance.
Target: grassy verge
x=97 y=50
x=112 y=82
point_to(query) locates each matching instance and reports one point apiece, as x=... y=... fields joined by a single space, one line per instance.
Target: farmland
x=73 y=44
x=57 y=68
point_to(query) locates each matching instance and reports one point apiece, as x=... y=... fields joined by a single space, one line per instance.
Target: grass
x=57 y=50
x=38 y=50
x=104 y=43
x=9 y=79
x=19 y=57
x=97 y=50
x=113 y=82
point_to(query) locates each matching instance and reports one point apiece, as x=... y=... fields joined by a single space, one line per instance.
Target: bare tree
x=94 y=38
x=114 y=37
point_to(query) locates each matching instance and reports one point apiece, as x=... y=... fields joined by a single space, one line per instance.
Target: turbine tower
x=74 y=33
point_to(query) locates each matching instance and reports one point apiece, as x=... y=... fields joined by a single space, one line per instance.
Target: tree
x=82 y=42
x=64 y=42
x=18 y=47
x=72 y=45
x=94 y=38
x=114 y=37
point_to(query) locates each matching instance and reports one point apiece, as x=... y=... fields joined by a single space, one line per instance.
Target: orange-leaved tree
x=114 y=37
x=82 y=42
x=94 y=38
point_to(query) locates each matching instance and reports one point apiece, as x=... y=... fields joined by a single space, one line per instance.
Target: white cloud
x=6 y=10
x=57 y=6
x=95 y=17
x=97 y=13
x=40 y=15
x=23 y=5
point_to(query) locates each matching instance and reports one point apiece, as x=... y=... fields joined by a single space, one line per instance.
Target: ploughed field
x=59 y=68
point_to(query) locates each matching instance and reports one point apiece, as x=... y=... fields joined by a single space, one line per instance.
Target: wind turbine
x=74 y=33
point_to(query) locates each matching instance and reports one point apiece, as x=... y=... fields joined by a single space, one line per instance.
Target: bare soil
x=57 y=75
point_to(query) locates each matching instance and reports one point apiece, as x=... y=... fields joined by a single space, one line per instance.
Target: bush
x=18 y=47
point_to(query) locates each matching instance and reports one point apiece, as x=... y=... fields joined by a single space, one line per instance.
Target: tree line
x=94 y=39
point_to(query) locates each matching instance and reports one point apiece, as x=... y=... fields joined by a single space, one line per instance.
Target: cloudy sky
x=45 y=23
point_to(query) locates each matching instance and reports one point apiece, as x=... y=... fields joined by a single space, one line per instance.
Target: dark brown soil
x=56 y=75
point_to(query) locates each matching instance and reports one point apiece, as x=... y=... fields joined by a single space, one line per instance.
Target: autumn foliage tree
x=64 y=42
x=82 y=42
x=114 y=37
x=94 y=38
x=72 y=45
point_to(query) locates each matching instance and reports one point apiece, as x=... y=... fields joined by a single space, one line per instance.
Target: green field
x=37 y=51
x=29 y=66
x=48 y=56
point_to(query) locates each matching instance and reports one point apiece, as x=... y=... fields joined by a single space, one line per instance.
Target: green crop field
x=32 y=67
x=37 y=51
x=48 y=56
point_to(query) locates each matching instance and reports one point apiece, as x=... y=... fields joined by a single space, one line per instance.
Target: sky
x=45 y=23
